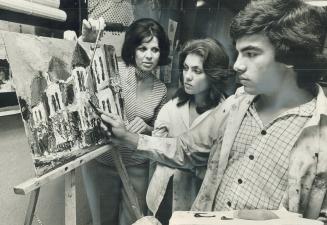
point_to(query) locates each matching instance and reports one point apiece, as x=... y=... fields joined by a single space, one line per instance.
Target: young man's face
x=257 y=68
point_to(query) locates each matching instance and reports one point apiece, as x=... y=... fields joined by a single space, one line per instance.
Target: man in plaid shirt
x=265 y=146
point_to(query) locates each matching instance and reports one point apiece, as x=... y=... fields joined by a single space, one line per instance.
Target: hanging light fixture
x=200 y=3
x=316 y=2
x=33 y=9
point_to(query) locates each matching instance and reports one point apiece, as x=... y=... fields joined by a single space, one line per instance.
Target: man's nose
x=239 y=65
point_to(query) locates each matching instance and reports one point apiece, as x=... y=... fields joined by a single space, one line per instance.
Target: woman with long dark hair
x=203 y=68
x=145 y=47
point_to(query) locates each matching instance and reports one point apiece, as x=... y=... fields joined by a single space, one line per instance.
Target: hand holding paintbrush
x=115 y=127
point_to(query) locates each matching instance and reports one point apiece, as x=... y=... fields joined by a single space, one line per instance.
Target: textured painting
x=54 y=84
x=8 y=99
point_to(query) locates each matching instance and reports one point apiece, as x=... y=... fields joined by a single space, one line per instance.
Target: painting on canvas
x=8 y=99
x=54 y=84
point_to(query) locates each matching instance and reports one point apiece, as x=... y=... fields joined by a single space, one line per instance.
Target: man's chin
x=250 y=91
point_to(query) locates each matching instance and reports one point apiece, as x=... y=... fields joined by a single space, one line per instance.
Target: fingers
x=91 y=24
x=86 y=24
x=111 y=119
x=136 y=126
x=104 y=127
x=90 y=29
x=133 y=123
x=101 y=111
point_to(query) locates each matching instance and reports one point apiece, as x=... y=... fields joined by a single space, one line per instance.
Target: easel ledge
x=33 y=185
x=36 y=182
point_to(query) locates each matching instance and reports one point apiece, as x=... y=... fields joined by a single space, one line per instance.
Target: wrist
x=131 y=139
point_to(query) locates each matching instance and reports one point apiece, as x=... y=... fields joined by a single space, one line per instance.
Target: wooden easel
x=34 y=185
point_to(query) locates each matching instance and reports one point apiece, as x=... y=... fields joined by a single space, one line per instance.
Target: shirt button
x=263 y=132
x=229 y=204
x=251 y=157
x=239 y=181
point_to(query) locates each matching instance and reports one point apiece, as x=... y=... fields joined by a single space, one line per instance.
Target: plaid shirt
x=256 y=174
x=212 y=141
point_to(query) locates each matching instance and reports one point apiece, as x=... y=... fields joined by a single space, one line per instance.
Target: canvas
x=8 y=99
x=54 y=84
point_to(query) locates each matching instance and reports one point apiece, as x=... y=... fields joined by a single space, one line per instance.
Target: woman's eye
x=155 y=50
x=142 y=49
x=197 y=71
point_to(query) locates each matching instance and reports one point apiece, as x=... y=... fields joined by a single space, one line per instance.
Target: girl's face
x=147 y=54
x=195 y=79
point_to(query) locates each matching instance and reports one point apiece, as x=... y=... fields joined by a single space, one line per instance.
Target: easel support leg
x=128 y=187
x=70 y=198
x=31 y=207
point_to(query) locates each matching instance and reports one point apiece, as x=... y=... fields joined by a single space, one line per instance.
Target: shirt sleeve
x=189 y=150
x=162 y=123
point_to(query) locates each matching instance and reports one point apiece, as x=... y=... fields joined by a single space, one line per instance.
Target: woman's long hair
x=215 y=66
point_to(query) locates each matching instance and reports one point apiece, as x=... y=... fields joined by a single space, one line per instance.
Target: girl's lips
x=187 y=85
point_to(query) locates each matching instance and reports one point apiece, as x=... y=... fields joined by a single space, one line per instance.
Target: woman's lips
x=188 y=86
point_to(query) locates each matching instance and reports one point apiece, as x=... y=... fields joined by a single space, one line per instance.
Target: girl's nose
x=188 y=75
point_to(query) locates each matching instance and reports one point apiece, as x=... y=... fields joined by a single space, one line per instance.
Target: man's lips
x=242 y=79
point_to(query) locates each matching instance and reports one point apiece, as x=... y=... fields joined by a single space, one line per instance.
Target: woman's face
x=147 y=54
x=195 y=79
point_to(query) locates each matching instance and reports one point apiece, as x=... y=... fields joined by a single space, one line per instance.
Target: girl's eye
x=155 y=50
x=197 y=71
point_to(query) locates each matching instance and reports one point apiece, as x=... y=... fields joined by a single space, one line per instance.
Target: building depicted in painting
x=62 y=124
x=108 y=87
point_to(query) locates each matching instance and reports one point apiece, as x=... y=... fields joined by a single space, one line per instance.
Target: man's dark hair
x=296 y=30
x=137 y=32
x=215 y=66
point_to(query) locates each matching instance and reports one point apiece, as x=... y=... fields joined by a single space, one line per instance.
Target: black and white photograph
x=163 y=112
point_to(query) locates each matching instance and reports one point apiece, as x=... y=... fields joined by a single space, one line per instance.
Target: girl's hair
x=215 y=66
x=137 y=32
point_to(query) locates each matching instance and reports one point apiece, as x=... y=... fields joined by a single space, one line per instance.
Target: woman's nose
x=188 y=75
x=148 y=54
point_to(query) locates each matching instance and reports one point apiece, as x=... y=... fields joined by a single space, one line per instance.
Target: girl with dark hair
x=204 y=68
x=145 y=47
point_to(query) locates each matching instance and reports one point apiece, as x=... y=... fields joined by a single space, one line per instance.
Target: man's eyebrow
x=249 y=48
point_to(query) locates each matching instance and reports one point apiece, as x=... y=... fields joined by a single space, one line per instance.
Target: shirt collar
x=305 y=109
x=140 y=75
